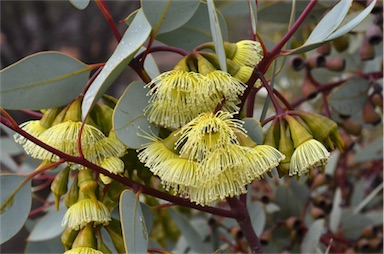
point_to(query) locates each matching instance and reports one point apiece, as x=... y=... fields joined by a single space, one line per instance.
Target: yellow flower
x=244 y=73
x=248 y=53
x=111 y=146
x=307 y=156
x=177 y=96
x=217 y=188
x=85 y=211
x=177 y=174
x=113 y=165
x=64 y=137
x=83 y=250
x=208 y=132
x=35 y=129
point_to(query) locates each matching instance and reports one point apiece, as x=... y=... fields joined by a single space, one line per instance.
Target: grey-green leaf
x=258 y=218
x=50 y=246
x=133 y=39
x=15 y=212
x=312 y=238
x=216 y=35
x=167 y=15
x=329 y=22
x=254 y=130
x=128 y=116
x=190 y=234
x=80 y=4
x=194 y=32
x=349 y=98
x=336 y=212
x=373 y=151
x=133 y=225
x=42 y=80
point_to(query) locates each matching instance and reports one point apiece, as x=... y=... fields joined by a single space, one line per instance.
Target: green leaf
x=133 y=223
x=14 y=213
x=258 y=218
x=353 y=225
x=216 y=35
x=329 y=23
x=42 y=80
x=368 y=199
x=253 y=15
x=48 y=226
x=128 y=116
x=167 y=15
x=349 y=98
x=312 y=238
x=335 y=217
x=80 y=4
x=10 y=146
x=254 y=130
x=372 y=152
x=131 y=42
x=287 y=209
x=194 y=32
x=190 y=234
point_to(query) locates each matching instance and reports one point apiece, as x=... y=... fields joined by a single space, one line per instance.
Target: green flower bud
x=286 y=148
x=86 y=237
x=59 y=185
x=272 y=135
x=73 y=193
x=101 y=245
x=60 y=117
x=204 y=66
x=109 y=100
x=114 y=231
x=298 y=132
x=102 y=115
x=68 y=236
x=74 y=111
x=49 y=117
x=88 y=184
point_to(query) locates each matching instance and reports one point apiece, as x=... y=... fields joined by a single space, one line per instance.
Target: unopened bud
x=297 y=63
x=102 y=116
x=324 y=49
x=341 y=43
x=68 y=236
x=74 y=111
x=369 y=114
x=73 y=194
x=59 y=185
x=109 y=100
x=374 y=34
x=86 y=237
x=49 y=116
x=351 y=127
x=60 y=117
x=298 y=132
x=88 y=184
x=366 y=50
x=117 y=238
x=316 y=60
x=101 y=246
x=336 y=63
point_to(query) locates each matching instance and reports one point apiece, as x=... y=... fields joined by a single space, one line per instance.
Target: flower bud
x=86 y=237
x=59 y=185
x=374 y=34
x=204 y=66
x=316 y=60
x=324 y=49
x=366 y=50
x=49 y=116
x=73 y=194
x=298 y=132
x=88 y=184
x=113 y=194
x=286 y=148
x=369 y=114
x=114 y=231
x=74 y=111
x=102 y=115
x=101 y=246
x=296 y=63
x=272 y=135
x=60 y=117
x=109 y=100
x=351 y=127
x=68 y=236
x=341 y=43
x=336 y=63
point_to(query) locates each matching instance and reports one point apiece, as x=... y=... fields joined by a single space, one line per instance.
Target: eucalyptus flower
x=113 y=165
x=83 y=250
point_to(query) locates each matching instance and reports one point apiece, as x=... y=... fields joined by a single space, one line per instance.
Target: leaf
x=167 y=15
x=42 y=80
x=133 y=225
x=194 y=32
x=216 y=35
x=353 y=23
x=368 y=199
x=335 y=217
x=50 y=246
x=253 y=16
x=287 y=209
x=10 y=146
x=258 y=218
x=190 y=234
x=131 y=42
x=372 y=152
x=80 y=4
x=329 y=22
x=352 y=226
x=48 y=226
x=13 y=214
x=128 y=116
x=312 y=238
x=254 y=130
x=349 y=98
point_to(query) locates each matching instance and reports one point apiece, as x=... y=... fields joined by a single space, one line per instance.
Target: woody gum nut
x=297 y=63
x=316 y=60
x=374 y=34
x=366 y=50
x=336 y=63
x=351 y=127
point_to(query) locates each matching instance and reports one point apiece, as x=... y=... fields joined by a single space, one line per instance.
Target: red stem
x=104 y=9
